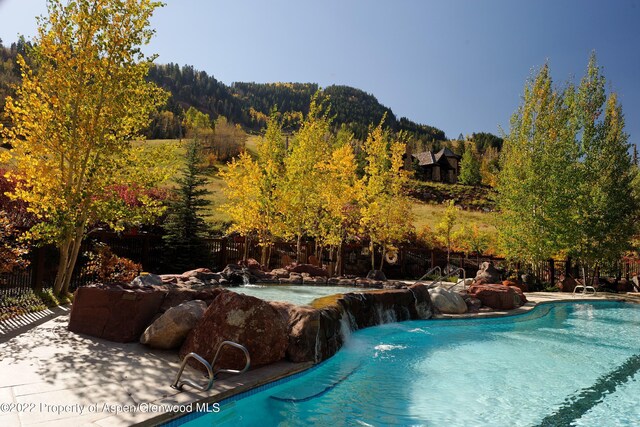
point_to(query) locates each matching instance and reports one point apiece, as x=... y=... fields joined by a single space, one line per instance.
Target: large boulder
x=169 y=330
x=235 y=274
x=245 y=320
x=498 y=297
x=203 y=274
x=377 y=275
x=188 y=291
x=447 y=302
x=303 y=323
x=488 y=274
x=522 y=285
x=311 y=269
x=566 y=283
x=115 y=312
x=147 y=279
x=423 y=303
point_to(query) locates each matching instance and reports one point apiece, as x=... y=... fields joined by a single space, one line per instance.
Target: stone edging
x=566 y=298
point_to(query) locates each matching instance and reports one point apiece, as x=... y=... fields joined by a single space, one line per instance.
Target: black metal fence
x=411 y=263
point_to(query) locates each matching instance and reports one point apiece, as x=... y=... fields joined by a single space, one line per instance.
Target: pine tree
x=185 y=228
x=469 y=169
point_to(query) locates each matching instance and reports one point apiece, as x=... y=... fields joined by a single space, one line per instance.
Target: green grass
x=430 y=214
x=30 y=302
x=425 y=213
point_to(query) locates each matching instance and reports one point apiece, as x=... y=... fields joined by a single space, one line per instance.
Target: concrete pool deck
x=52 y=377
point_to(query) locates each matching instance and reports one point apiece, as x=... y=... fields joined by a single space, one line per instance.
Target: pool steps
x=178 y=385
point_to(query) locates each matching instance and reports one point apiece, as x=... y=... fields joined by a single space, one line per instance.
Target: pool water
x=295 y=294
x=560 y=364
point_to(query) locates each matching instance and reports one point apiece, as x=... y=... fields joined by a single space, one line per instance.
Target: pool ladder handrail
x=463 y=280
x=585 y=288
x=436 y=268
x=177 y=384
x=449 y=274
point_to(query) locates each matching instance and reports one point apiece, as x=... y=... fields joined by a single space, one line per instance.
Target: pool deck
x=52 y=377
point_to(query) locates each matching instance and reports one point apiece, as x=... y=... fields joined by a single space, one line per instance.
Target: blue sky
x=457 y=65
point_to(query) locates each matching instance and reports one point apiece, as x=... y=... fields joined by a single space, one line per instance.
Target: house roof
x=425 y=158
x=446 y=153
x=428 y=157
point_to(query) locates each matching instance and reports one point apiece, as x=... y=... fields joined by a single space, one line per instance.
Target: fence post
x=552 y=271
x=567 y=267
x=37 y=269
x=223 y=253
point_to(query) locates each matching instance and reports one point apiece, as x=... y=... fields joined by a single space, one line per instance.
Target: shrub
x=107 y=267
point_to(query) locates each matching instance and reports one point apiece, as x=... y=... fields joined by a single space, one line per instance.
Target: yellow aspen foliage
x=386 y=216
x=82 y=99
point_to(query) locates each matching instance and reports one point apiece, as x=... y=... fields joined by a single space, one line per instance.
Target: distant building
x=443 y=166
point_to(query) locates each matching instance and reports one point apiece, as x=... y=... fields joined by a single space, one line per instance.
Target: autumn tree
x=228 y=139
x=298 y=193
x=252 y=186
x=472 y=240
x=469 y=169
x=339 y=195
x=537 y=183
x=80 y=102
x=566 y=184
x=386 y=216
x=604 y=214
x=444 y=228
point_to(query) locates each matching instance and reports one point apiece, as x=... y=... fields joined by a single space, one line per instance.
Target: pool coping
x=534 y=299
x=49 y=363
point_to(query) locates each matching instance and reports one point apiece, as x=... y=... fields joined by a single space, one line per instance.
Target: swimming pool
x=295 y=294
x=560 y=364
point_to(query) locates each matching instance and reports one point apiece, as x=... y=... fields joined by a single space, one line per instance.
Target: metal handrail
x=464 y=277
x=436 y=268
x=231 y=371
x=585 y=288
x=177 y=384
x=449 y=274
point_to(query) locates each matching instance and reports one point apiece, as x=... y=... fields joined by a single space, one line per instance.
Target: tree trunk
x=245 y=255
x=299 y=249
x=263 y=257
x=384 y=252
x=64 y=250
x=339 y=261
x=71 y=263
x=68 y=256
x=373 y=255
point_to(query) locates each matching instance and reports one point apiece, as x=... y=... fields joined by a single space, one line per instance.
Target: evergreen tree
x=469 y=169
x=185 y=228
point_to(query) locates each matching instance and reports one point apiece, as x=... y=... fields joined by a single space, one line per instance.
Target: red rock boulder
x=245 y=320
x=302 y=323
x=566 y=284
x=522 y=286
x=307 y=268
x=114 y=312
x=498 y=297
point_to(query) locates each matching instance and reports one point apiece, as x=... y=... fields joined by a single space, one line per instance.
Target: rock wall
x=275 y=330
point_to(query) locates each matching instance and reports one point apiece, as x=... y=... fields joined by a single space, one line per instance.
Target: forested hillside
x=248 y=104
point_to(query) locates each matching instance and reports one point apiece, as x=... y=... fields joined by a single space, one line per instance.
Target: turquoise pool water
x=295 y=294
x=561 y=364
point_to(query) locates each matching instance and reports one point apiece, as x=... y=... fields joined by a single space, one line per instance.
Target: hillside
x=249 y=104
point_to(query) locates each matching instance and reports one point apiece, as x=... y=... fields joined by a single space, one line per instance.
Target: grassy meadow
x=425 y=213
